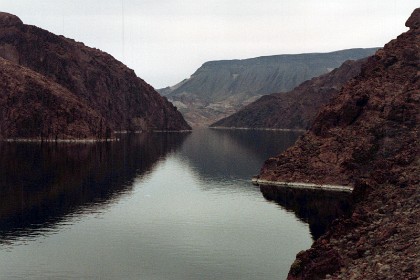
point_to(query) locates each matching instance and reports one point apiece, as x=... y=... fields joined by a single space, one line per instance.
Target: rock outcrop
x=220 y=88
x=110 y=89
x=368 y=136
x=295 y=109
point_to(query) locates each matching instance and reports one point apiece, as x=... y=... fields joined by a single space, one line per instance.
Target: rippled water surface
x=151 y=206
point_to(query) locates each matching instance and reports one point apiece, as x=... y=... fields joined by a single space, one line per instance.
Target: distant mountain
x=295 y=109
x=219 y=88
x=95 y=80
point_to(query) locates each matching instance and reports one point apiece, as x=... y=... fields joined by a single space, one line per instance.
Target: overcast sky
x=165 y=41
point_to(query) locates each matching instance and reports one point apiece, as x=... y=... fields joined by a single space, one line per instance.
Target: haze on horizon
x=166 y=41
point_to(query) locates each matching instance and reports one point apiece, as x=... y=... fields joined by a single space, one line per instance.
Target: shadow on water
x=42 y=184
x=317 y=208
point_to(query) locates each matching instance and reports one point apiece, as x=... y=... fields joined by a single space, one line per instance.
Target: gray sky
x=165 y=41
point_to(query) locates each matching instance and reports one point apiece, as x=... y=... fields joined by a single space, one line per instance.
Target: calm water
x=158 y=206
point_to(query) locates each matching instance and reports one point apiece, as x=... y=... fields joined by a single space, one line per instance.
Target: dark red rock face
x=37 y=108
x=368 y=136
x=104 y=84
x=295 y=109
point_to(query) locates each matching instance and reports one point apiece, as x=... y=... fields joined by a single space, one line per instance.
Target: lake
x=151 y=206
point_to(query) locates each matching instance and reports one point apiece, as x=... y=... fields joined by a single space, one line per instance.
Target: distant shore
x=257 y=128
x=38 y=140
x=87 y=140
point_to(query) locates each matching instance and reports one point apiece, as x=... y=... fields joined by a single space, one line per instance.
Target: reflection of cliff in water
x=40 y=184
x=233 y=154
x=317 y=208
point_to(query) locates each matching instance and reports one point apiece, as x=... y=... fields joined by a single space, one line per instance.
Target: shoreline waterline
x=300 y=185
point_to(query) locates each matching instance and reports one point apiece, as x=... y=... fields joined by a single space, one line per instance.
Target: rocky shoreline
x=379 y=241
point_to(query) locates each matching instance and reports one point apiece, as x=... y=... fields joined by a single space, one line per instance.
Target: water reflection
x=42 y=184
x=159 y=206
x=317 y=208
x=229 y=157
x=232 y=155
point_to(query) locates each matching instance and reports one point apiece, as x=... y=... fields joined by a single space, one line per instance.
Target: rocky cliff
x=33 y=106
x=219 y=88
x=368 y=136
x=295 y=109
x=110 y=89
x=366 y=129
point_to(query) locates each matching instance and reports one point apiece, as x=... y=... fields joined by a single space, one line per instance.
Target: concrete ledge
x=298 y=185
